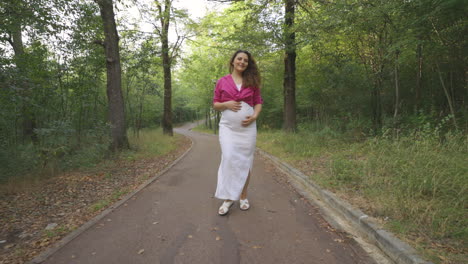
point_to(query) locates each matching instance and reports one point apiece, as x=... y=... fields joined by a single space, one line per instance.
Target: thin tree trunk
x=378 y=66
x=397 y=86
x=209 y=119
x=289 y=81
x=140 y=111
x=114 y=77
x=376 y=104
x=418 y=78
x=447 y=95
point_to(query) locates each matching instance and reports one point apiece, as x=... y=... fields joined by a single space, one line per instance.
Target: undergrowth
x=60 y=151
x=417 y=182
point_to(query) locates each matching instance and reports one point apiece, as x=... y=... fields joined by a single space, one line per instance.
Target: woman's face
x=241 y=61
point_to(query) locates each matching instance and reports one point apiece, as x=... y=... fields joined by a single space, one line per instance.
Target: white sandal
x=224 y=209
x=244 y=204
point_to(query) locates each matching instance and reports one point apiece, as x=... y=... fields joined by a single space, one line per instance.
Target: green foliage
x=60 y=148
x=18 y=161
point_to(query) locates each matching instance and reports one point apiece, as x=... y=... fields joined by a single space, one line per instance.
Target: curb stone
x=397 y=250
x=61 y=243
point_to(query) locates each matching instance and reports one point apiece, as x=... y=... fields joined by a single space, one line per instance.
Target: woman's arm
x=231 y=105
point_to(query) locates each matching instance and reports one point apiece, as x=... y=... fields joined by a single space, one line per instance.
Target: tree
x=164 y=19
x=289 y=83
x=16 y=15
x=166 y=14
x=114 y=76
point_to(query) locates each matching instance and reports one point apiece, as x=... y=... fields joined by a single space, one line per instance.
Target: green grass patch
x=119 y=193
x=150 y=143
x=59 y=230
x=99 y=205
x=418 y=183
x=203 y=129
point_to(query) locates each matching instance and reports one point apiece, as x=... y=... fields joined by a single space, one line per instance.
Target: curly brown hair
x=251 y=75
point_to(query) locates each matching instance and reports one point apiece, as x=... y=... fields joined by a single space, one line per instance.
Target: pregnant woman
x=237 y=96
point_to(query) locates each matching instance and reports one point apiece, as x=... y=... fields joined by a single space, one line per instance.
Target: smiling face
x=240 y=62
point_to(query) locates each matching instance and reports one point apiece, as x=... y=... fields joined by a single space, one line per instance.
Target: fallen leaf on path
x=256 y=247
x=141 y=251
x=218 y=238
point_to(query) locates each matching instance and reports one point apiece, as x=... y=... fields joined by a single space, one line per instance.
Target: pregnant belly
x=232 y=118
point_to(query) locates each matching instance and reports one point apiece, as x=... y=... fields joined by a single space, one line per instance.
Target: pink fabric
x=226 y=90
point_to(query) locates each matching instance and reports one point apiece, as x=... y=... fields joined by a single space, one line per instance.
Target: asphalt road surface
x=175 y=220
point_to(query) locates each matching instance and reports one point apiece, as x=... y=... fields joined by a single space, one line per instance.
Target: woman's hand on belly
x=248 y=120
x=233 y=105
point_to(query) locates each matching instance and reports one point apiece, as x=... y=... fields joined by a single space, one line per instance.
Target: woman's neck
x=237 y=75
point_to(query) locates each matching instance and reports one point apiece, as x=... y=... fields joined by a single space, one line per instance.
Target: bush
x=60 y=147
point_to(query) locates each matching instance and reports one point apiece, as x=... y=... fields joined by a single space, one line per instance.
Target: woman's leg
x=244 y=191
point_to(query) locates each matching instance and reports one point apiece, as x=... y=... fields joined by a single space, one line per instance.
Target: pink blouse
x=226 y=90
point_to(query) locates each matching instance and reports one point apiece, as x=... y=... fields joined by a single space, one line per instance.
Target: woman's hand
x=232 y=105
x=248 y=120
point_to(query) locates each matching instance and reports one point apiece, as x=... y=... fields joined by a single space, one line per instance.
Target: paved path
x=175 y=220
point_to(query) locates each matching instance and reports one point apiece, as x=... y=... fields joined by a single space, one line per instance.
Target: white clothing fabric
x=238 y=148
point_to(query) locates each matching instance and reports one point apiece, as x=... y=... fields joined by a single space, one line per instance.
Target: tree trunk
x=417 y=103
x=164 y=17
x=377 y=104
x=28 y=121
x=447 y=95
x=209 y=119
x=289 y=81
x=114 y=77
x=397 y=86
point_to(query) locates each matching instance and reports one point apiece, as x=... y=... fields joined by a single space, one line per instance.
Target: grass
x=60 y=230
x=203 y=129
x=419 y=185
x=151 y=143
x=100 y=205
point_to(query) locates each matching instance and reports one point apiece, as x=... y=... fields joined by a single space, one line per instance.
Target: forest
x=373 y=91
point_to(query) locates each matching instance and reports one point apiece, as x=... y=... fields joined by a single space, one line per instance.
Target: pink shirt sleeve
x=257 y=98
x=217 y=92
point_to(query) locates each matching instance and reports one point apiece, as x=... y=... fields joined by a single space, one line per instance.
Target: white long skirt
x=238 y=148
